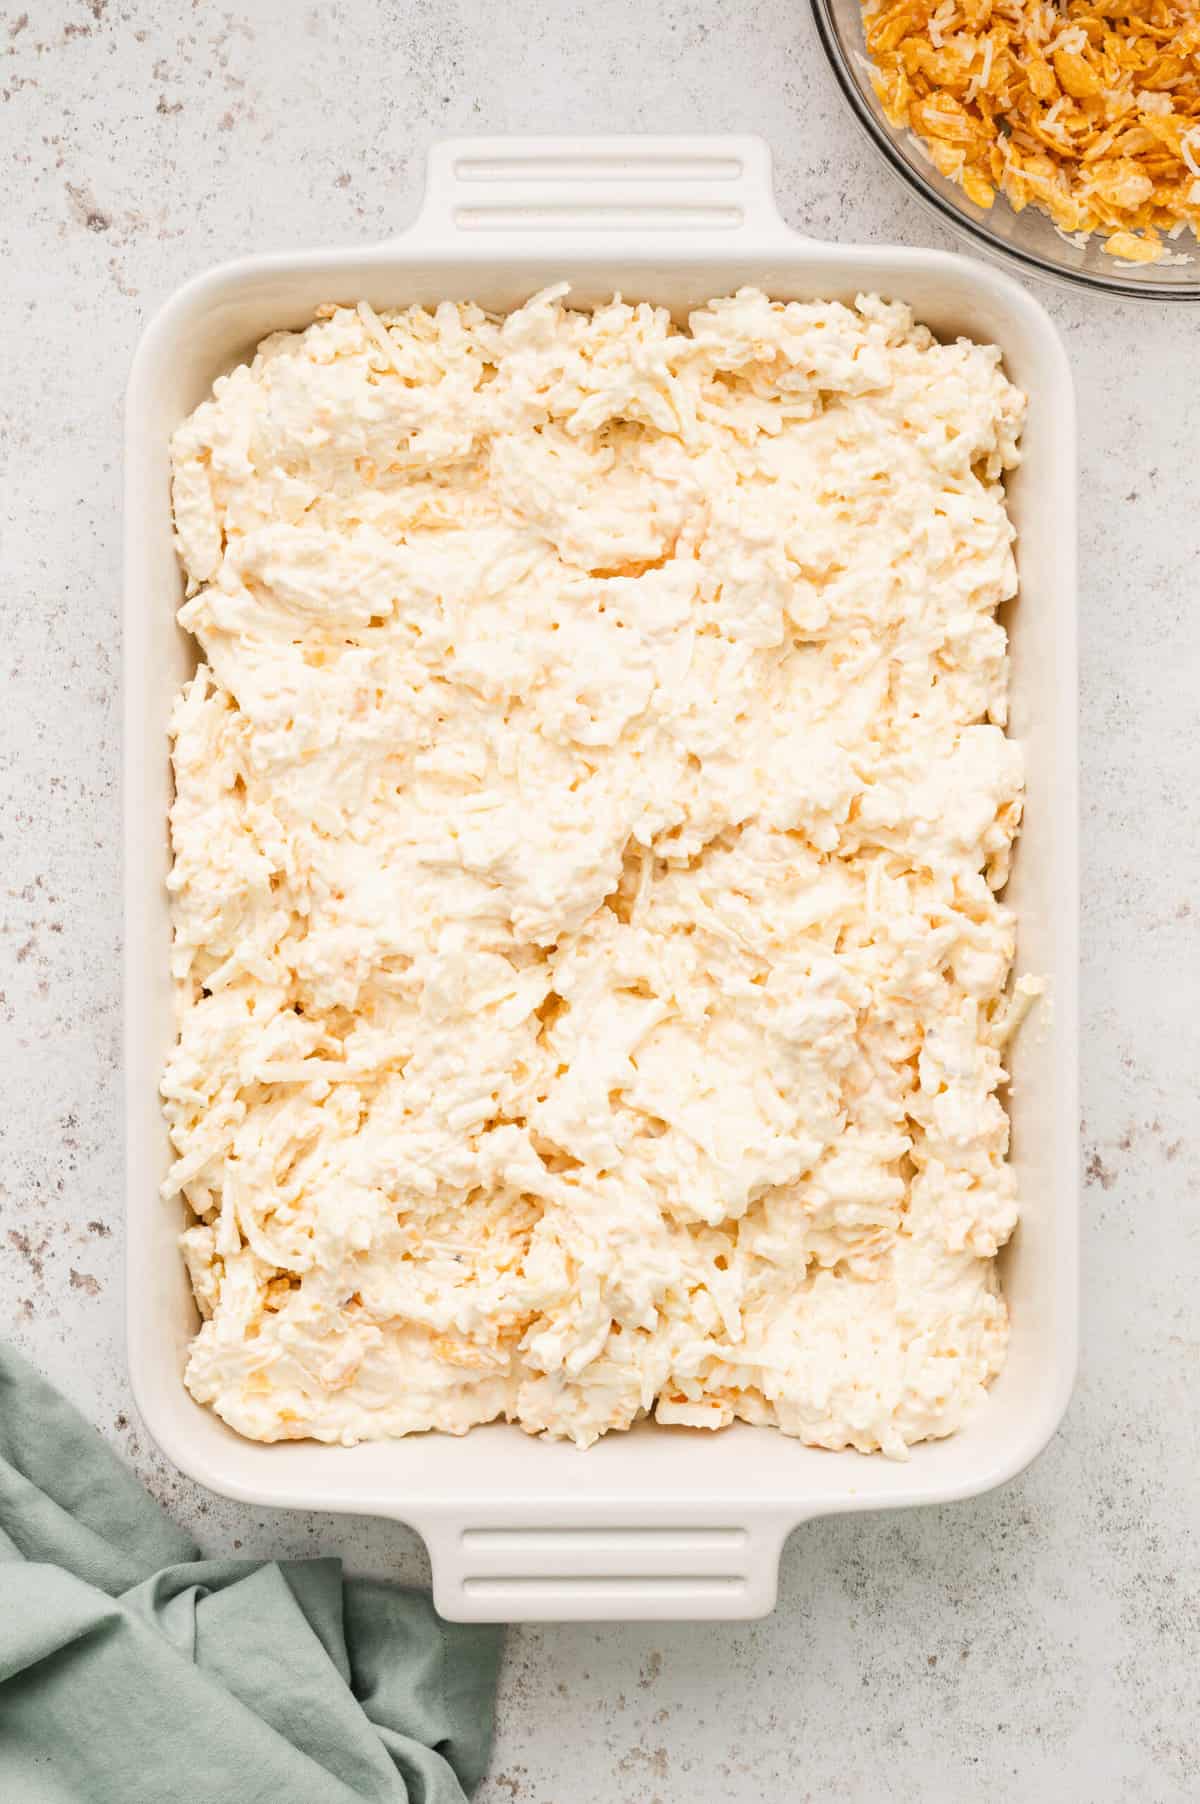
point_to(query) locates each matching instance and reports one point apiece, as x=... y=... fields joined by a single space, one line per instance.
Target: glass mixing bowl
x=1028 y=239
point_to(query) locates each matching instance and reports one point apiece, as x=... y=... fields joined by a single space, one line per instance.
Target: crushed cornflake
x=1087 y=109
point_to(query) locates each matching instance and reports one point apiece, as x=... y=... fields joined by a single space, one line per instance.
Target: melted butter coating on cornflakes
x=1088 y=109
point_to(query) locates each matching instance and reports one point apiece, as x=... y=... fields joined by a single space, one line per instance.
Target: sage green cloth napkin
x=134 y=1672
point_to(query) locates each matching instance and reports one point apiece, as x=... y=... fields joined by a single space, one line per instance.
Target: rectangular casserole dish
x=660 y=1522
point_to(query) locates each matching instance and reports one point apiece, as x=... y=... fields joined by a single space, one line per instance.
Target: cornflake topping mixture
x=1087 y=109
x=590 y=811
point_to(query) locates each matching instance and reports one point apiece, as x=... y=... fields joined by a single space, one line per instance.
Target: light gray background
x=1039 y=1643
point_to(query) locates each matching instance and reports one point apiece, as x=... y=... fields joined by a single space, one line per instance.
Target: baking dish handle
x=715 y=188
x=494 y=1567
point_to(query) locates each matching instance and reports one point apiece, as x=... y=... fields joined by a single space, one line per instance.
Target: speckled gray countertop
x=1041 y=1642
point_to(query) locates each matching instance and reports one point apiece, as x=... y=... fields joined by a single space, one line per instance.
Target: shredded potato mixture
x=590 y=812
x=1089 y=109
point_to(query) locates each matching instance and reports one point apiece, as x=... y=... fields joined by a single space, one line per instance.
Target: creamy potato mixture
x=591 y=804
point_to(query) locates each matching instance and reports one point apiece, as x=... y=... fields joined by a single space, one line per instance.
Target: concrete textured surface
x=1040 y=1642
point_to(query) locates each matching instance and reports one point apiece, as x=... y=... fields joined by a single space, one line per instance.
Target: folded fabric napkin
x=134 y=1672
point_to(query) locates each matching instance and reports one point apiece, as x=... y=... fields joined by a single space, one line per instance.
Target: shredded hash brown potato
x=1088 y=109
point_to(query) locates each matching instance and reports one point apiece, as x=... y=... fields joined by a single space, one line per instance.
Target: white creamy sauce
x=589 y=814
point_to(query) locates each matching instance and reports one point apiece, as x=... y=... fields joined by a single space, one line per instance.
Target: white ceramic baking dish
x=660 y=1522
